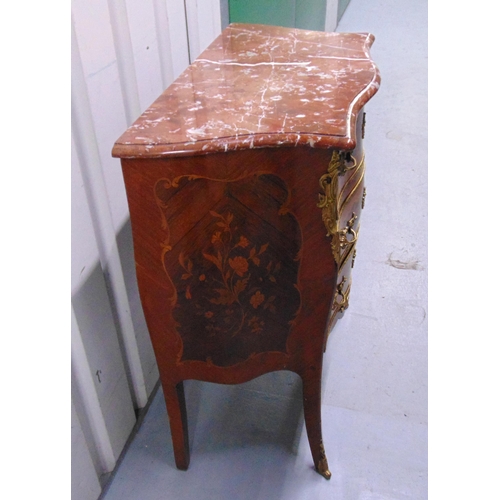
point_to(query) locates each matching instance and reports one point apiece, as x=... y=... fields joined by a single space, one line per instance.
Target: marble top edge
x=235 y=143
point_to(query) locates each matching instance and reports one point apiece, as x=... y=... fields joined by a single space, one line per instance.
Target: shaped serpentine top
x=260 y=86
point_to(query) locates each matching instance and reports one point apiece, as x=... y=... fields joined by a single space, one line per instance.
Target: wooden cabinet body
x=244 y=228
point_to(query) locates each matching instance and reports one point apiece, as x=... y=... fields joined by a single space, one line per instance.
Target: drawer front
x=351 y=199
x=350 y=206
x=340 y=301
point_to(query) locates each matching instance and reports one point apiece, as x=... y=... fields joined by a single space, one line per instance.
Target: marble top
x=260 y=86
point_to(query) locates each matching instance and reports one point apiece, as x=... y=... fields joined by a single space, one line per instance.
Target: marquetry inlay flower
x=257 y=299
x=243 y=242
x=240 y=265
x=255 y=324
x=237 y=279
x=216 y=237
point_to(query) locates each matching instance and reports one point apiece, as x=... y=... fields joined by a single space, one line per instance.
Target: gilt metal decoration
x=323 y=463
x=328 y=200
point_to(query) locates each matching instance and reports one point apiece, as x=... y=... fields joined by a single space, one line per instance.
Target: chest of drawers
x=245 y=183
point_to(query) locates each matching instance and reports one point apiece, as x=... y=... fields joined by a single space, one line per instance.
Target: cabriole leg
x=311 y=387
x=176 y=409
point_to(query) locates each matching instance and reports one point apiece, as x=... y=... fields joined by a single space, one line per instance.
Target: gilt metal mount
x=340 y=163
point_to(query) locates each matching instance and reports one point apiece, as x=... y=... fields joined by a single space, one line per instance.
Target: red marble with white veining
x=260 y=86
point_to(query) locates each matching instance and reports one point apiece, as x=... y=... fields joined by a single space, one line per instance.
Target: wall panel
x=124 y=54
x=84 y=480
x=101 y=76
x=204 y=24
x=99 y=376
x=146 y=58
x=87 y=155
x=178 y=35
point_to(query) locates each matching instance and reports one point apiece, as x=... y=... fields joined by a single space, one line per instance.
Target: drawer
x=344 y=279
x=351 y=198
x=349 y=177
x=349 y=219
x=354 y=165
x=350 y=193
x=340 y=301
x=357 y=152
x=341 y=296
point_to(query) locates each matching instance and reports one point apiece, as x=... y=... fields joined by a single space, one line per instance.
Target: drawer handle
x=344 y=302
x=364 y=198
x=346 y=157
x=348 y=230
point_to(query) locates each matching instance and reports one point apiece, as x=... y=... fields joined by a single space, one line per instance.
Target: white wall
x=124 y=53
x=331 y=16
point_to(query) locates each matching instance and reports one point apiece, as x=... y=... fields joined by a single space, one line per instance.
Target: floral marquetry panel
x=236 y=285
